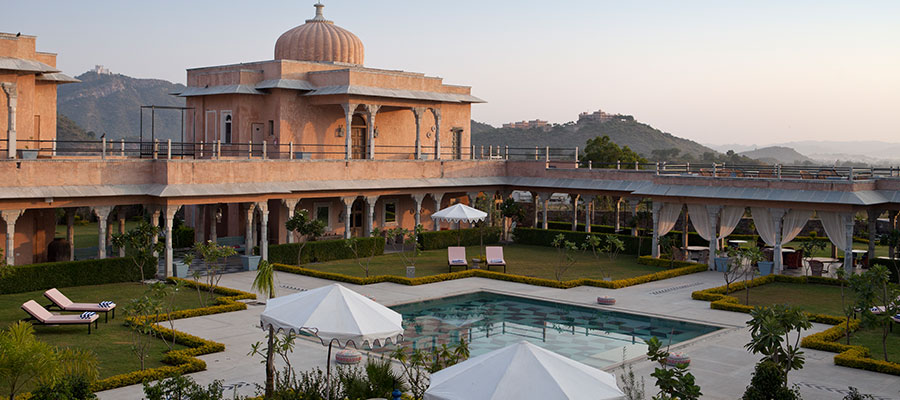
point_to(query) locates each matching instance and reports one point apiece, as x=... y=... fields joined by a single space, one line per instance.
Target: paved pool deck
x=720 y=363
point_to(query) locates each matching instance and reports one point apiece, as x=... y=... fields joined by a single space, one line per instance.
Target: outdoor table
x=737 y=243
x=475 y=263
x=696 y=248
x=857 y=255
x=826 y=261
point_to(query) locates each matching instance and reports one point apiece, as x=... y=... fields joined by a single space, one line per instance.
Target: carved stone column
x=349 y=110
x=437 y=132
x=418 y=198
x=654 y=246
x=263 y=230
x=574 y=198
x=291 y=205
x=102 y=216
x=348 y=209
x=545 y=198
x=121 y=216
x=438 y=198
x=70 y=232
x=248 y=232
x=371 y=111
x=370 y=214
x=10 y=217
x=588 y=209
x=170 y=222
x=418 y=113
x=777 y=256
x=11 y=101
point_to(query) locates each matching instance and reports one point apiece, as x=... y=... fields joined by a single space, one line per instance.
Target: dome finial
x=320 y=16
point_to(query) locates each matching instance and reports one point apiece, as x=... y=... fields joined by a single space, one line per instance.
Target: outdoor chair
x=63 y=303
x=816 y=267
x=494 y=255
x=40 y=315
x=678 y=254
x=456 y=257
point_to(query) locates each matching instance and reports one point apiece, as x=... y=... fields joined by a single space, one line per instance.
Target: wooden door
x=456 y=144
x=358 y=139
x=357 y=219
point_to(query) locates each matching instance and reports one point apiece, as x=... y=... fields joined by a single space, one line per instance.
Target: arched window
x=226 y=127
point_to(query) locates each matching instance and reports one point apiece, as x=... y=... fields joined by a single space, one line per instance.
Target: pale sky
x=712 y=71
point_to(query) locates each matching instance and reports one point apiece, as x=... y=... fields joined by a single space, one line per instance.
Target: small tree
x=408 y=256
x=166 y=295
x=770 y=330
x=265 y=284
x=283 y=347
x=306 y=229
x=810 y=245
x=566 y=258
x=673 y=382
x=667 y=245
x=734 y=267
x=594 y=244
x=140 y=241
x=143 y=311
x=612 y=246
x=848 y=309
x=510 y=211
x=363 y=257
x=24 y=359
x=753 y=256
x=417 y=365
x=769 y=383
x=892 y=241
x=213 y=256
x=873 y=289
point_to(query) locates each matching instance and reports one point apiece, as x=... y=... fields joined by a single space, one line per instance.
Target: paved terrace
x=722 y=367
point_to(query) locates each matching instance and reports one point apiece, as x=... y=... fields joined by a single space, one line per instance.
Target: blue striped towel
x=88 y=315
x=106 y=304
x=458 y=261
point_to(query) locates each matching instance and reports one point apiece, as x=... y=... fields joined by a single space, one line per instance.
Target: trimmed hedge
x=544 y=237
x=27 y=278
x=435 y=240
x=325 y=250
x=688 y=268
x=182 y=361
x=567 y=226
x=827 y=340
x=891 y=267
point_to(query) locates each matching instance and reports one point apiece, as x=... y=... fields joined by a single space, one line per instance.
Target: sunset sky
x=712 y=71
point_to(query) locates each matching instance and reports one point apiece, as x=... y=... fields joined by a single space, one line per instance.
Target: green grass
x=820 y=299
x=86 y=235
x=534 y=261
x=111 y=342
x=880 y=251
x=871 y=338
x=823 y=299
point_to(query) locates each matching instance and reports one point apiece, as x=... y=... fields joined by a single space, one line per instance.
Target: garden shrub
x=544 y=237
x=465 y=237
x=182 y=237
x=27 y=278
x=325 y=250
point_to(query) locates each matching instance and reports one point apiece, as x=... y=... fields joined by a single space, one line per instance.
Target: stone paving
x=722 y=367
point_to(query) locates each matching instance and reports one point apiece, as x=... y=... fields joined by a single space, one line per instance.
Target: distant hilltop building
x=537 y=123
x=101 y=70
x=601 y=116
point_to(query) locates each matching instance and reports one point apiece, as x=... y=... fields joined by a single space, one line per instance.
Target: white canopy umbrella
x=334 y=314
x=522 y=371
x=459 y=213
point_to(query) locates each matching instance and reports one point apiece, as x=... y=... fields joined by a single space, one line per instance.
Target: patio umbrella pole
x=328 y=371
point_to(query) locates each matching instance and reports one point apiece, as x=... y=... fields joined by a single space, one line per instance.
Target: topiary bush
x=325 y=250
x=27 y=278
x=544 y=237
x=465 y=237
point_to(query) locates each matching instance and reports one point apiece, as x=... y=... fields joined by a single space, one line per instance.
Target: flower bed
x=827 y=340
x=685 y=268
x=180 y=361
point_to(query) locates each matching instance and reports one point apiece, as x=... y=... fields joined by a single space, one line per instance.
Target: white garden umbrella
x=459 y=213
x=334 y=314
x=522 y=371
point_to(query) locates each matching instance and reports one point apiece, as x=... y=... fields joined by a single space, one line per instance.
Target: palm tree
x=264 y=283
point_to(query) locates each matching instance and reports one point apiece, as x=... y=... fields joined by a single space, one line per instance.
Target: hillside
x=641 y=138
x=110 y=103
x=777 y=155
x=68 y=130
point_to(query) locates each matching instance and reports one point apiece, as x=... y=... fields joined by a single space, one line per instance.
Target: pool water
x=490 y=321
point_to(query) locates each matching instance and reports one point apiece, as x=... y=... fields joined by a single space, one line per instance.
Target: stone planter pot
x=722 y=264
x=765 y=267
x=27 y=154
x=410 y=272
x=181 y=270
x=250 y=262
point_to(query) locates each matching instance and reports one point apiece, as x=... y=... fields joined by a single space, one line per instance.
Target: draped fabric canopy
x=699 y=217
x=731 y=217
x=668 y=216
x=792 y=223
x=765 y=225
x=835 y=227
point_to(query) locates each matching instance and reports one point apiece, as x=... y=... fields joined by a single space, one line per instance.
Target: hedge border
x=684 y=269
x=848 y=356
x=182 y=361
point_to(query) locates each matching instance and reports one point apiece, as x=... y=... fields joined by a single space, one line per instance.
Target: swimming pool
x=489 y=321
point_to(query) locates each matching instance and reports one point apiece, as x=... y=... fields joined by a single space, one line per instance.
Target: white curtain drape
x=668 y=216
x=699 y=217
x=731 y=217
x=765 y=225
x=833 y=222
x=793 y=223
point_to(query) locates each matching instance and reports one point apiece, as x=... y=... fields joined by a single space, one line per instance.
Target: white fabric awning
x=522 y=371
x=459 y=213
x=334 y=313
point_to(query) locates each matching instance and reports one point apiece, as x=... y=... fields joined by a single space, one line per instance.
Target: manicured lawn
x=111 y=342
x=86 y=235
x=820 y=299
x=823 y=299
x=534 y=261
x=880 y=251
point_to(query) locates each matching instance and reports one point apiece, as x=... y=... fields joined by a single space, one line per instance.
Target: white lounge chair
x=456 y=257
x=494 y=255
x=40 y=315
x=62 y=302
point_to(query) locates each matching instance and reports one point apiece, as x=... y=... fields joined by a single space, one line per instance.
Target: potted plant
x=722 y=260
x=765 y=266
x=181 y=269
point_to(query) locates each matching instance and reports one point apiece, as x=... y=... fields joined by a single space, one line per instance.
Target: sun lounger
x=456 y=257
x=40 y=315
x=494 y=255
x=63 y=303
